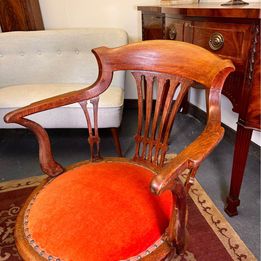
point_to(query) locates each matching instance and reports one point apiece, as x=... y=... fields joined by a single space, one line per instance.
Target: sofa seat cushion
x=97 y=211
x=70 y=116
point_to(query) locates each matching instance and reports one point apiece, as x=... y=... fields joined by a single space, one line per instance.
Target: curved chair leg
x=116 y=140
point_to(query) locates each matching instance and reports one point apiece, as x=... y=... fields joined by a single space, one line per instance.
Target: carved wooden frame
x=173 y=65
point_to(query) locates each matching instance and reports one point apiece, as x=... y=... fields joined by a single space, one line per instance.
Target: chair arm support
x=191 y=157
x=48 y=165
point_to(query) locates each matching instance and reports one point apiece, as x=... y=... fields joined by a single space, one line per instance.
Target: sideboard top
x=207 y=9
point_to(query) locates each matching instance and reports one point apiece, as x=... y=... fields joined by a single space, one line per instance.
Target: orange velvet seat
x=74 y=217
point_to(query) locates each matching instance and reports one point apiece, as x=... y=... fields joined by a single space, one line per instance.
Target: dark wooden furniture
x=170 y=64
x=20 y=15
x=232 y=33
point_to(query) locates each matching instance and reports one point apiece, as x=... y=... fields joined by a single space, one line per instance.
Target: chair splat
x=155 y=122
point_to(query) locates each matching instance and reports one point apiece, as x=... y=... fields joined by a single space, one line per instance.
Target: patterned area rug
x=210 y=235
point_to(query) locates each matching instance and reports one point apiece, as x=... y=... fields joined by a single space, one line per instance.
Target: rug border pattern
x=21 y=183
x=236 y=248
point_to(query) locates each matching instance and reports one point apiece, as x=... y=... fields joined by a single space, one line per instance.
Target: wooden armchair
x=103 y=209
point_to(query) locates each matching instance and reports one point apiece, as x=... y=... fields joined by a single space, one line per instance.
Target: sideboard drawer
x=152 y=27
x=227 y=40
x=174 y=29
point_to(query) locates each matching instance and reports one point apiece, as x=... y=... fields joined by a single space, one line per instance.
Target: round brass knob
x=172 y=33
x=216 y=41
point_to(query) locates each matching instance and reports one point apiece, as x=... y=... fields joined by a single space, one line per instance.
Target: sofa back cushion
x=55 y=56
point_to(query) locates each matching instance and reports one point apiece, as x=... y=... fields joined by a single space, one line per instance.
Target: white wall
x=99 y=13
x=121 y=14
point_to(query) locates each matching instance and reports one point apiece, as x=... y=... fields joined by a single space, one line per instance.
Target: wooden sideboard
x=20 y=15
x=230 y=32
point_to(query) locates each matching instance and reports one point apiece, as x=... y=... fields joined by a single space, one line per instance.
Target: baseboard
x=202 y=117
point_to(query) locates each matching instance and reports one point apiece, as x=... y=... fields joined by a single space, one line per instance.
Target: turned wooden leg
x=243 y=138
x=116 y=140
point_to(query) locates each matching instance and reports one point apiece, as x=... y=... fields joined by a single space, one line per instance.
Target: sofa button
x=39 y=52
x=59 y=52
x=77 y=51
x=22 y=53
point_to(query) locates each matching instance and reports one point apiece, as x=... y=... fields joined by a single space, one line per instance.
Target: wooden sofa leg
x=116 y=140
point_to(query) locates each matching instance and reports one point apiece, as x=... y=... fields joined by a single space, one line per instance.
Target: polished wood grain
x=155 y=26
x=211 y=10
x=12 y=16
x=251 y=113
x=166 y=68
x=214 y=10
x=152 y=143
x=240 y=29
x=33 y=15
x=19 y=15
x=94 y=139
x=237 y=176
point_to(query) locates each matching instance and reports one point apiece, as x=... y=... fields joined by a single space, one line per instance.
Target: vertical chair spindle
x=154 y=126
x=94 y=139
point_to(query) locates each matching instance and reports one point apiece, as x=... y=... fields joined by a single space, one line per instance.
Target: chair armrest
x=48 y=164
x=191 y=157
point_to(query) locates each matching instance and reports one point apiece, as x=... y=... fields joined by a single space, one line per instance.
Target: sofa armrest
x=53 y=102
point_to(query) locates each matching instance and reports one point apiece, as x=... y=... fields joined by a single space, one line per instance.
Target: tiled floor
x=19 y=159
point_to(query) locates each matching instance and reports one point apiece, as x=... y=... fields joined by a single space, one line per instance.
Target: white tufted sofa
x=40 y=64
